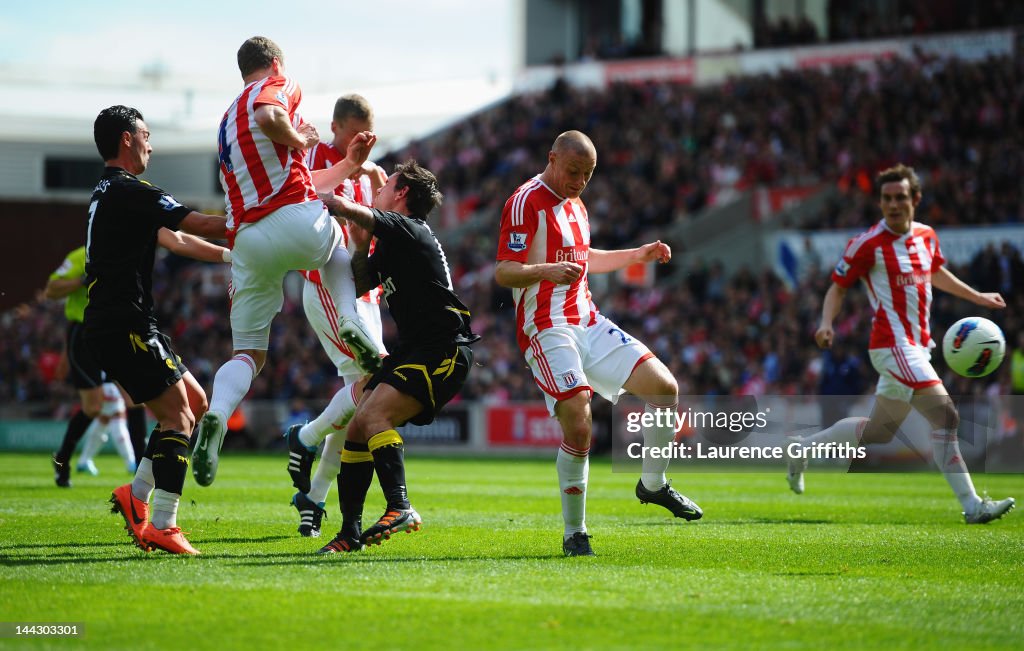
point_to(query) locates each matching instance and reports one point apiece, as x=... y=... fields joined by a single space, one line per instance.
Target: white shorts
x=323 y=318
x=299 y=236
x=599 y=359
x=903 y=370
x=113 y=402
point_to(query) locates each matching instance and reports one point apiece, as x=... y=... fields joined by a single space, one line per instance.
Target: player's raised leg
x=340 y=285
x=652 y=381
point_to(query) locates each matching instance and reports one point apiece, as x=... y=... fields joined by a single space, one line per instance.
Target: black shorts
x=433 y=376
x=144 y=364
x=84 y=370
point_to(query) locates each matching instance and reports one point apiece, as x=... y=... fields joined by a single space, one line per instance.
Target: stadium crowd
x=666 y=152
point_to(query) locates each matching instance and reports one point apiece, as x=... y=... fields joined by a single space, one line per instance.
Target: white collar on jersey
x=898 y=235
x=560 y=197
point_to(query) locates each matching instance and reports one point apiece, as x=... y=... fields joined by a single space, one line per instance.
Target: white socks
x=165 y=509
x=94 y=438
x=143 y=483
x=333 y=419
x=946 y=452
x=327 y=469
x=122 y=441
x=573 y=468
x=653 y=469
x=230 y=385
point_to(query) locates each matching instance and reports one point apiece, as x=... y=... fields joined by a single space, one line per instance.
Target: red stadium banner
x=640 y=274
x=769 y=201
x=522 y=425
x=634 y=72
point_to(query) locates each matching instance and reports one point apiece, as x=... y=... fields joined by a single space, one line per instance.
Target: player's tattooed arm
x=365 y=279
x=356 y=213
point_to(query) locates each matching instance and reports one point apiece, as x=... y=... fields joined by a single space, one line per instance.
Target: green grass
x=880 y=561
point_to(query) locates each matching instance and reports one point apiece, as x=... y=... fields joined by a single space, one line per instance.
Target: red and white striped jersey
x=259 y=175
x=897 y=270
x=538 y=226
x=323 y=156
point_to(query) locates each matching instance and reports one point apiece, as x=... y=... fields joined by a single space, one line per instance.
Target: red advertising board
x=645 y=70
x=522 y=425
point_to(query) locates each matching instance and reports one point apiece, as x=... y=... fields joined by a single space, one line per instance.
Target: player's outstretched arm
x=203 y=225
x=191 y=246
x=829 y=310
x=511 y=274
x=601 y=261
x=358 y=214
x=947 y=281
x=355 y=156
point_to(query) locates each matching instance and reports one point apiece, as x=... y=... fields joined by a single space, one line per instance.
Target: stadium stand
x=666 y=152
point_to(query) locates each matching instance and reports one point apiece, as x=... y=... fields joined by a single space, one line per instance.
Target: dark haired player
x=127 y=218
x=899 y=260
x=427 y=368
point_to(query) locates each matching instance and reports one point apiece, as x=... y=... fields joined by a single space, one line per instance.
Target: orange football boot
x=134 y=511
x=170 y=540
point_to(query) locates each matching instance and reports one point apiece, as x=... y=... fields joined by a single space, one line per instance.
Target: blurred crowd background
x=666 y=151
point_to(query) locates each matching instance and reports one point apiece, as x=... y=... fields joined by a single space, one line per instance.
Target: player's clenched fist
x=824 y=336
x=563 y=273
x=309 y=132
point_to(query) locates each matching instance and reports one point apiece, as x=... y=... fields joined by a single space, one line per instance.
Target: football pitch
x=859 y=561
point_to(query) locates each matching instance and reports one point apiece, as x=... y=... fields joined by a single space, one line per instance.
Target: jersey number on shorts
x=622 y=335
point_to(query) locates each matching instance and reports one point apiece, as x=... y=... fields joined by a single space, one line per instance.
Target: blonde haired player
x=352 y=115
x=544 y=255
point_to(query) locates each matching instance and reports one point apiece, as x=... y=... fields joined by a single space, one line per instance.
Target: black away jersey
x=417 y=283
x=125 y=214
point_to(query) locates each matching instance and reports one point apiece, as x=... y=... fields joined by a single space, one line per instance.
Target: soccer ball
x=974 y=347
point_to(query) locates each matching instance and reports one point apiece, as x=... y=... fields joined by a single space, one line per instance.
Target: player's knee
x=92 y=403
x=879 y=432
x=946 y=417
x=357 y=429
x=199 y=405
x=668 y=387
x=576 y=430
x=90 y=410
x=940 y=412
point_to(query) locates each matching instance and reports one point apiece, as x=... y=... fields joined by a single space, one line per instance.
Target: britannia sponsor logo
x=572 y=254
x=913 y=278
